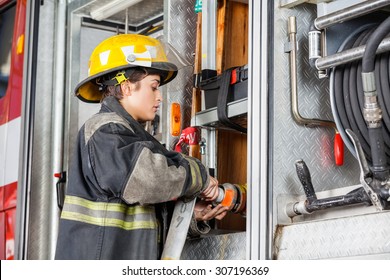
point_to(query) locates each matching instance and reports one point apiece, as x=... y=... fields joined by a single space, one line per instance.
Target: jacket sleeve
x=141 y=170
x=198 y=228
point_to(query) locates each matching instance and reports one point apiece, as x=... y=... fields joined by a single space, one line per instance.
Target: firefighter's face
x=142 y=100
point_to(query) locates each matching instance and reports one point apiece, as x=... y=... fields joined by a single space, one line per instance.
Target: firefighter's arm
x=205 y=211
x=211 y=192
x=143 y=172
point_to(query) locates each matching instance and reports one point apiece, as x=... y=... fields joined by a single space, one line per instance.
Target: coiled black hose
x=349 y=96
x=380 y=167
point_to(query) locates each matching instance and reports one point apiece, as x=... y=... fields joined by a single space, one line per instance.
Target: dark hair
x=134 y=75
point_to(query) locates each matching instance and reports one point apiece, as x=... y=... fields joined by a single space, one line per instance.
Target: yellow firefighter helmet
x=121 y=52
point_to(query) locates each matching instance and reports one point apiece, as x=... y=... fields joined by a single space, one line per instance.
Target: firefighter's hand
x=205 y=212
x=211 y=192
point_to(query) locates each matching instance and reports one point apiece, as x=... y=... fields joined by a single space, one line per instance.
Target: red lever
x=338 y=149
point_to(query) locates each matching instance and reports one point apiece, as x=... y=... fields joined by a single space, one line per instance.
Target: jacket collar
x=111 y=104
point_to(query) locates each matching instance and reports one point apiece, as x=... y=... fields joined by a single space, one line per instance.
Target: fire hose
x=349 y=97
x=361 y=92
x=231 y=195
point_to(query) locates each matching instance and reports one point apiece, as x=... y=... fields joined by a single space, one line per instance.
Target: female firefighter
x=122 y=181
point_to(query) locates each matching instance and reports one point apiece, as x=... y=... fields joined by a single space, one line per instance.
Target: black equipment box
x=238 y=88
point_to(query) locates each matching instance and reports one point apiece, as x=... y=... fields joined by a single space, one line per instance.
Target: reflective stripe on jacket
x=119 y=174
x=109 y=214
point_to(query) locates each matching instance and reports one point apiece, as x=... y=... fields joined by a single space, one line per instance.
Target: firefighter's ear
x=126 y=88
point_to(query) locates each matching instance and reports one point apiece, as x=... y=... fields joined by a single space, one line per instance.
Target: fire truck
x=303 y=122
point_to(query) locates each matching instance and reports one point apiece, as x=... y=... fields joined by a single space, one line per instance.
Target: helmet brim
x=88 y=91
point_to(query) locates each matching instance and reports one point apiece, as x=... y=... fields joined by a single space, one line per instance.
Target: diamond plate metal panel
x=363 y=236
x=219 y=247
x=180 y=32
x=291 y=141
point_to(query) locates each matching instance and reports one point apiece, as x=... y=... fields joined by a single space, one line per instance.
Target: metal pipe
x=315 y=46
x=27 y=128
x=292 y=31
x=325 y=21
x=349 y=55
x=127 y=21
x=357 y=196
x=209 y=34
x=259 y=221
x=58 y=116
x=312 y=204
x=354 y=11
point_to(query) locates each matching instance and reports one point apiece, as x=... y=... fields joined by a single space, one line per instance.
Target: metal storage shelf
x=209 y=117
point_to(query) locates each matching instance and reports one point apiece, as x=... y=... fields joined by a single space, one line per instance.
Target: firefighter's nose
x=159 y=95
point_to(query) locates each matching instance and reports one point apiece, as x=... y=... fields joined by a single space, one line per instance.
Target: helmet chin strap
x=120 y=77
x=114 y=81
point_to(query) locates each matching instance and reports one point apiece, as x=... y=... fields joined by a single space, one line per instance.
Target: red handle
x=338 y=149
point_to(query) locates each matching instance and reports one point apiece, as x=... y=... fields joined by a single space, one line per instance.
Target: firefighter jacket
x=119 y=175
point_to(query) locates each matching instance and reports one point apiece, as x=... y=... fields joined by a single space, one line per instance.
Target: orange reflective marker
x=175 y=119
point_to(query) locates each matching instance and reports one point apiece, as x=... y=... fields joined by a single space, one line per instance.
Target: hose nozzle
x=232 y=196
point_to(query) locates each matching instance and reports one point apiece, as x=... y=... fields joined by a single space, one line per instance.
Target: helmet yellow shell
x=121 y=52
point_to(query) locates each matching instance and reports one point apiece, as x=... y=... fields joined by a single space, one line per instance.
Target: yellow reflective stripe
x=195 y=173
x=115 y=207
x=108 y=222
x=109 y=214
